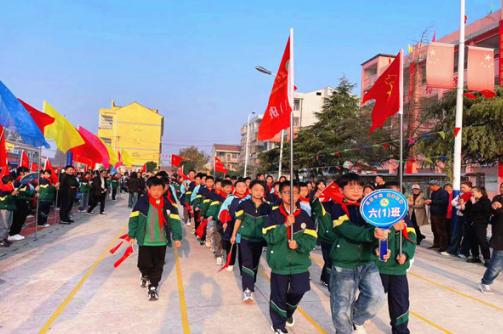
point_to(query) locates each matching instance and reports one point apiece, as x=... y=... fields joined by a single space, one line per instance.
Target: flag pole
x=38 y=197
x=291 y=101
x=400 y=112
x=458 y=135
x=280 y=167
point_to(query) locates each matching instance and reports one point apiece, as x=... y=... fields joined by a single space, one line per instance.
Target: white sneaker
x=290 y=322
x=484 y=288
x=248 y=297
x=445 y=253
x=359 y=329
x=208 y=244
x=230 y=268
x=220 y=261
x=15 y=237
x=45 y=225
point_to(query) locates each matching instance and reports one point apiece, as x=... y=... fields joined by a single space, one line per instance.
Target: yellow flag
x=114 y=158
x=61 y=131
x=409 y=48
x=127 y=160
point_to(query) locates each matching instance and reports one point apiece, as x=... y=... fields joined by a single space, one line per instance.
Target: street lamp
x=247 y=143
x=264 y=70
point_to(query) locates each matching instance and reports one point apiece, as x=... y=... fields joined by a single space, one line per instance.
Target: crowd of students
x=22 y=195
x=237 y=218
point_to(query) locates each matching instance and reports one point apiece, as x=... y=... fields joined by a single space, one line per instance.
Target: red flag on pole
x=480 y=69
x=41 y=119
x=34 y=167
x=182 y=174
x=176 y=160
x=24 y=161
x=3 y=153
x=386 y=93
x=332 y=191
x=277 y=114
x=440 y=66
x=54 y=175
x=144 y=168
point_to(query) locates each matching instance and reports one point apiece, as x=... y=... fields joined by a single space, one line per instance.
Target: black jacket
x=439 y=202
x=96 y=188
x=480 y=212
x=133 y=185
x=497 y=225
x=69 y=185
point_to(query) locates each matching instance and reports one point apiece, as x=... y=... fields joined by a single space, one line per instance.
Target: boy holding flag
x=152 y=224
x=290 y=236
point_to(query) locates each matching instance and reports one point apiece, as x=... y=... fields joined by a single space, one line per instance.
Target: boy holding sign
x=353 y=268
x=393 y=271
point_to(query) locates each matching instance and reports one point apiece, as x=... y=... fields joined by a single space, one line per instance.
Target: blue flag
x=14 y=117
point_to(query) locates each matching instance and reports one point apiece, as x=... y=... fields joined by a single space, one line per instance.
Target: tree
x=150 y=166
x=482 y=130
x=193 y=158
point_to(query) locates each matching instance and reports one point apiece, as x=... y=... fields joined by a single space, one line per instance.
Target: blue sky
x=194 y=60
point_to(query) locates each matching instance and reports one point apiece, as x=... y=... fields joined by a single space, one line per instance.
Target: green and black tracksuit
x=252 y=219
x=326 y=235
x=47 y=194
x=394 y=278
x=23 y=199
x=152 y=235
x=290 y=267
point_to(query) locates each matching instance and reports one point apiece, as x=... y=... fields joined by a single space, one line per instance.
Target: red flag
x=92 y=151
x=3 y=154
x=54 y=174
x=24 y=161
x=143 y=168
x=219 y=166
x=480 y=69
x=176 y=160
x=41 y=119
x=119 y=157
x=34 y=167
x=386 y=93
x=126 y=254
x=333 y=192
x=229 y=257
x=440 y=66
x=277 y=114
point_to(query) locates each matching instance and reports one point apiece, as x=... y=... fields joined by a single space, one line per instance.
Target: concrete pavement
x=65 y=283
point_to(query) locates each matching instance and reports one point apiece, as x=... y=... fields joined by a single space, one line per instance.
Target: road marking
x=79 y=285
x=317 y=261
x=181 y=294
x=300 y=309
x=459 y=293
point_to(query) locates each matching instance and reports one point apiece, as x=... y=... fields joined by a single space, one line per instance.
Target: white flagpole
x=280 y=167
x=459 y=102
x=291 y=82
x=400 y=112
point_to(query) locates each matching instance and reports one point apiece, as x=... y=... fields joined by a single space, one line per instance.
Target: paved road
x=65 y=283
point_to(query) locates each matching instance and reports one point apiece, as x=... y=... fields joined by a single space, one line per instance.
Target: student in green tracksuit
x=393 y=271
x=250 y=218
x=290 y=236
x=47 y=194
x=7 y=207
x=152 y=224
x=85 y=190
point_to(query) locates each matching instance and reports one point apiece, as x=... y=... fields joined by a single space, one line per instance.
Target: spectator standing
x=98 y=192
x=68 y=190
x=458 y=226
x=417 y=211
x=438 y=203
x=480 y=214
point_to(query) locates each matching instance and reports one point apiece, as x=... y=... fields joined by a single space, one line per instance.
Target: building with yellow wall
x=134 y=129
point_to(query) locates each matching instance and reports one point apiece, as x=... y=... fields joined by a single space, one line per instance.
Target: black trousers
x=19 y=216
x=114 y=193
x=397 y=288
x=419 y=235
x=469 y=243
x=227 y=246
x=44 y=208
x=327 y=266
x=95 y=199
x=439 y=229
x=67 y=200
x=481 y=237
x=197 y=219
x=250 y=252
x=286 y=293
x=151 y=263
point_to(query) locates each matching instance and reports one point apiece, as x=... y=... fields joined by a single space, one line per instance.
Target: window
x=296 y=104
x=318 y=93
x=106 y=140
x=106 y=121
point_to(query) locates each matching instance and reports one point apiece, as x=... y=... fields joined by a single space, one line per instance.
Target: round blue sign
x=383 y=208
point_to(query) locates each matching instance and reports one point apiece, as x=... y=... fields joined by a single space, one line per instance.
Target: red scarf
x=160 y=207
x=283 y=211
x=344 y=204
